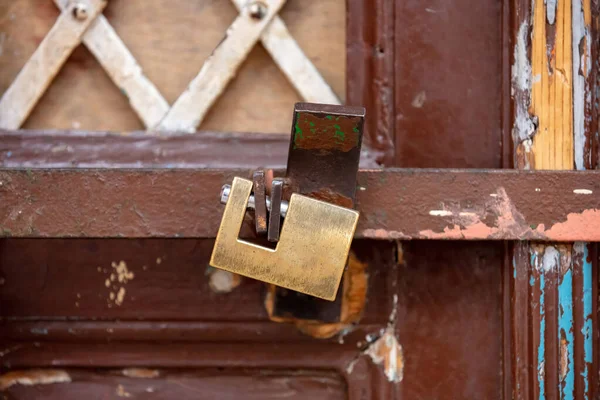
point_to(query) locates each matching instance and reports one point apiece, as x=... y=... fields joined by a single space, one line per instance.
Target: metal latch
x=314 y=201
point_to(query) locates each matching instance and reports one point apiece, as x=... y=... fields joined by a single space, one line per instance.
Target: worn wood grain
x=292 y=61
x=118 y=62
x=170 y=40
x=191 y=106
x=552 y=284
x=37 y=74
x=193 y=384
x=552 y=86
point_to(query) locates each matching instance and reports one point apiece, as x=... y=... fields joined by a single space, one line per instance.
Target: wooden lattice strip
x=292 y=61
x=37 y=74
x=192 y=105
x=110 y=51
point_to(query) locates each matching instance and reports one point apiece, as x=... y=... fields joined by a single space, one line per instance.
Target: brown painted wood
x=448 y=84
x=203 y=384
x=394 y=203
x=371 y=73
x=449 y=304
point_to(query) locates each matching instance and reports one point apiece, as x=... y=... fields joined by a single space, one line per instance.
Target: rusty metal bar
x=394 y=203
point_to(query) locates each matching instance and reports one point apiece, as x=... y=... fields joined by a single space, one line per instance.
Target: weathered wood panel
x=166 y=384
x=166 y=40
x=449 y=83
x=552 y=286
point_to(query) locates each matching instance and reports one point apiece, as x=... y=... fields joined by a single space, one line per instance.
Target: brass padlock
x=311 y=253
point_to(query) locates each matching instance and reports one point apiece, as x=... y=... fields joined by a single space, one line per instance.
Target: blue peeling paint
x=531 y=281
x=586 y=330
x=565 y=328
x=542 y=345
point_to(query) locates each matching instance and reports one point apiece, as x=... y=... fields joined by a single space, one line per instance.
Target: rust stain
x=353 y=302
x=142 y=373
x=326 y=132
x=332 y=197
x=34 y=377
x=563 y=366
x=221 y=281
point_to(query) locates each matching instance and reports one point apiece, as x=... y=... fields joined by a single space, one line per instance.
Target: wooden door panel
x=157 y=384
x=450 y=313
x=162 y=280
x=449 y=83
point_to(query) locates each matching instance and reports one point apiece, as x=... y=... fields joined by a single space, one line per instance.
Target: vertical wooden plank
x=552 y=114
x=370 y=75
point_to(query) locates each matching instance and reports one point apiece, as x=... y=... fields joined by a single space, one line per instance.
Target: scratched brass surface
x=310 y=255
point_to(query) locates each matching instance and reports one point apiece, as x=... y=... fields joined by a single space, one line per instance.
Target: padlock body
x=310 y=255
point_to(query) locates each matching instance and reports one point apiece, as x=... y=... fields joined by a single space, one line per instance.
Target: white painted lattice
x=82 y=21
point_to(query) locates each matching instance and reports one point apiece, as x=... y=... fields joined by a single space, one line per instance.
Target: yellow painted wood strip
x=552 y=88
x=39 y=71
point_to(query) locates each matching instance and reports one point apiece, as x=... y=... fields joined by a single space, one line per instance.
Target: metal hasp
x=322 y=163
x=310 y=255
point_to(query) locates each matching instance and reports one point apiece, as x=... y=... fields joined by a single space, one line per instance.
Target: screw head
x=257 y=10
x=80 y=11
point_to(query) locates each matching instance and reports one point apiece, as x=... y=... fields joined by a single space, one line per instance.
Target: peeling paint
x=142 y=373
x=387 y=352
x=116 y=282
x=581 y=251
x=508 y=222
x=121 y=392
x=542 y=345
x=440 y=213
x=34 y=377
x=550 y=11
x=565 y=327
x=221 y=281
x=524 y=126
x=419 y=99
x=549 y=262
x=582 y=66
x=384 y=234
x=384 y=349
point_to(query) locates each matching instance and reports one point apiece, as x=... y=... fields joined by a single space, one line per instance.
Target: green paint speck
x=329 y=117
x=339 y=133
x=298 y=134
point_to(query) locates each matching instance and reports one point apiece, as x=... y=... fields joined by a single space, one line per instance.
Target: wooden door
x=446 y=84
